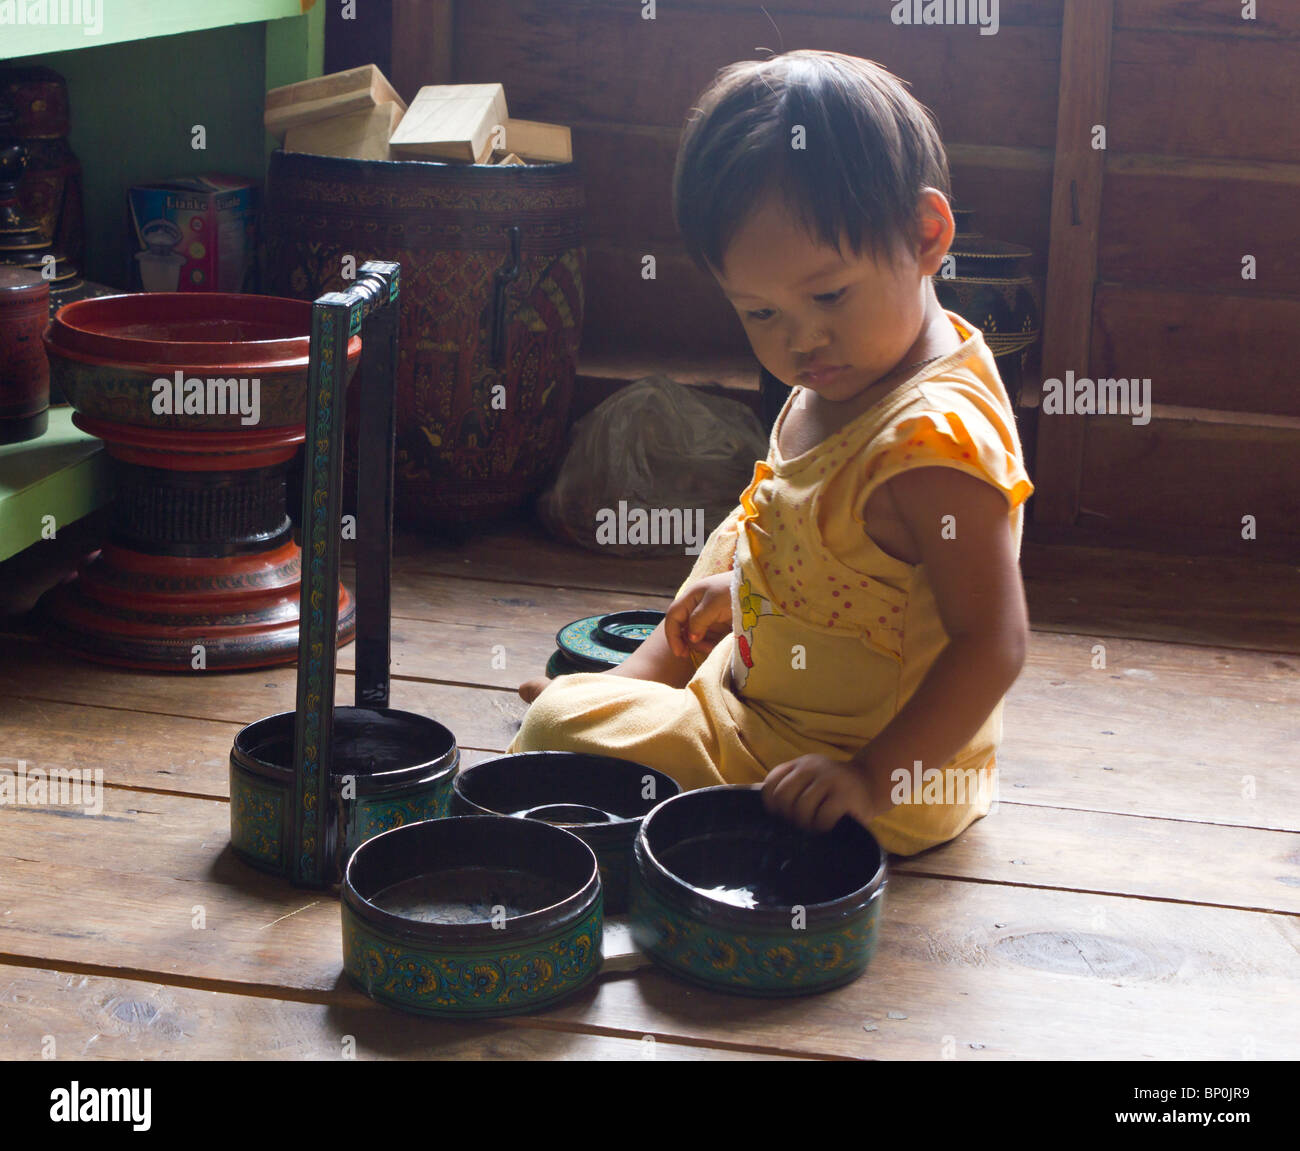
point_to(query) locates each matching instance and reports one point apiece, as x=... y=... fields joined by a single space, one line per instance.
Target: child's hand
x=815 y=791
x=700 y=616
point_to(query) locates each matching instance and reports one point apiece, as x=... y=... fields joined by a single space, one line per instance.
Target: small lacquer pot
x=472 y=916
x=599 y=798
x=727 y=895
x=390 y=768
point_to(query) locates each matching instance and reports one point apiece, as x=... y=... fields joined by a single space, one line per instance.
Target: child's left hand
x=815 y=792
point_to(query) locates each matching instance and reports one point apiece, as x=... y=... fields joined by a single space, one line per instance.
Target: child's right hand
x=700 y=616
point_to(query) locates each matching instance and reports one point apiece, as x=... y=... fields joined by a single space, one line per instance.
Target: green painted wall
x=134 y=106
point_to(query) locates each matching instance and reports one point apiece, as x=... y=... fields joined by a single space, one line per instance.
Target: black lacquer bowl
x=727 y=895
x=389 y=768
x=472 y=916
x=599 y=798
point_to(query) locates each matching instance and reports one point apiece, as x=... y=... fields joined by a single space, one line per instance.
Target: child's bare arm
x=695 y=620
x=978 y=590
x=654 y=660
x=980 y=596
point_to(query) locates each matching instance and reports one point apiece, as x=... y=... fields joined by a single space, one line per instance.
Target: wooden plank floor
x=1136 y=893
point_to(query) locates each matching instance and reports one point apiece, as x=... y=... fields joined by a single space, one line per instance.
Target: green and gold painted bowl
x=390 y=768
x=472 y=916
x=601 y=799
x=729 y=896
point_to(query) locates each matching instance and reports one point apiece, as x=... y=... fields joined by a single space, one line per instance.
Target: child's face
x=804 y=306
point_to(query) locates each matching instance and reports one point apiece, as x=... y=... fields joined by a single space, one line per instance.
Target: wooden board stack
x=352 y=113
x=359 y=114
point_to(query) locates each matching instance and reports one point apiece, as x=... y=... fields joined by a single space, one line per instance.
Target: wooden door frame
x=1077 y=181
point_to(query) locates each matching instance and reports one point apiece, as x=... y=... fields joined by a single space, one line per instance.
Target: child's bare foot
x=530 y=689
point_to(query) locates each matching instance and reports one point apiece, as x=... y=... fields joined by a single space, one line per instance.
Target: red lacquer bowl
x=106 y=355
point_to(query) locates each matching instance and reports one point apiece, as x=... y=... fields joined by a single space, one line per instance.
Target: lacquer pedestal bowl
x=600 y=799
x=731 y=897
x=200 y=399
x=390 y=768
x=472 y=916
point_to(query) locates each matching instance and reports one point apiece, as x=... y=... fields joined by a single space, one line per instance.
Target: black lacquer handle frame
x=369 y=307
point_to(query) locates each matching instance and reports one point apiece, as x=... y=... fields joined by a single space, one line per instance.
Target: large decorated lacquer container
x=201 y=401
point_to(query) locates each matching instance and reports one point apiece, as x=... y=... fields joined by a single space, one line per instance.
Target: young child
x=849 y=631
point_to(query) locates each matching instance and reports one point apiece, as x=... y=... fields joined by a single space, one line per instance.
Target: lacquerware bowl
x=599 y=798
x=107 y=353
x=731 y=897
x=390 y=768
x=472 y=916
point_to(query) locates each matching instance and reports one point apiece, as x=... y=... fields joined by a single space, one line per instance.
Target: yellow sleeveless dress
x=830 y=634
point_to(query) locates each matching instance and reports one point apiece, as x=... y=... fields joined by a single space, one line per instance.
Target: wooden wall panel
x=578 y=62
x=679 y=311
x=1190 y=477
x=1192 y=233
x=1200 y=350
x=424 y=45
x=1204 y=95
x=1272 y=20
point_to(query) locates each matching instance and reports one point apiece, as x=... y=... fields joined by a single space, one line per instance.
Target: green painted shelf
x=65 y=25
x=65 y=474
x=141 y=74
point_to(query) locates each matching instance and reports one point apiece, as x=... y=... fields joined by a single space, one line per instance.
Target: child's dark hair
x=869 y=149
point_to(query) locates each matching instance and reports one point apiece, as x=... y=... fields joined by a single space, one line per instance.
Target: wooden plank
x=483 y=719
x=1174 y=732
x=495 y=554
x=680 y=300
x=1008 y=187
x=986 y=972
x=355 y=90
x=1206 y=227
x=118 y=895
x=99 y=1017
x=1191 y=862
x=575 y=61
x=134 y=749
x=1194 y=17
x=1236 y=602
x=1278 y=548
x=451 y=122
x=1072 y=268
x=152 y=834
x=1188 y=95
x=1201 y=478
x=1203 y=168
x=1199 y=350
x=362 y=136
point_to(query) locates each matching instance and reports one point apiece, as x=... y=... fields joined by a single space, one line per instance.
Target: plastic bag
x=653 y=470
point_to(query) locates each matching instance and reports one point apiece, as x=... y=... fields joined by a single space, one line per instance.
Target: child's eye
x=825 y=298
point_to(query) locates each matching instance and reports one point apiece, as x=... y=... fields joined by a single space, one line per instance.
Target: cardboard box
x=194 y=234
x=451 y=122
